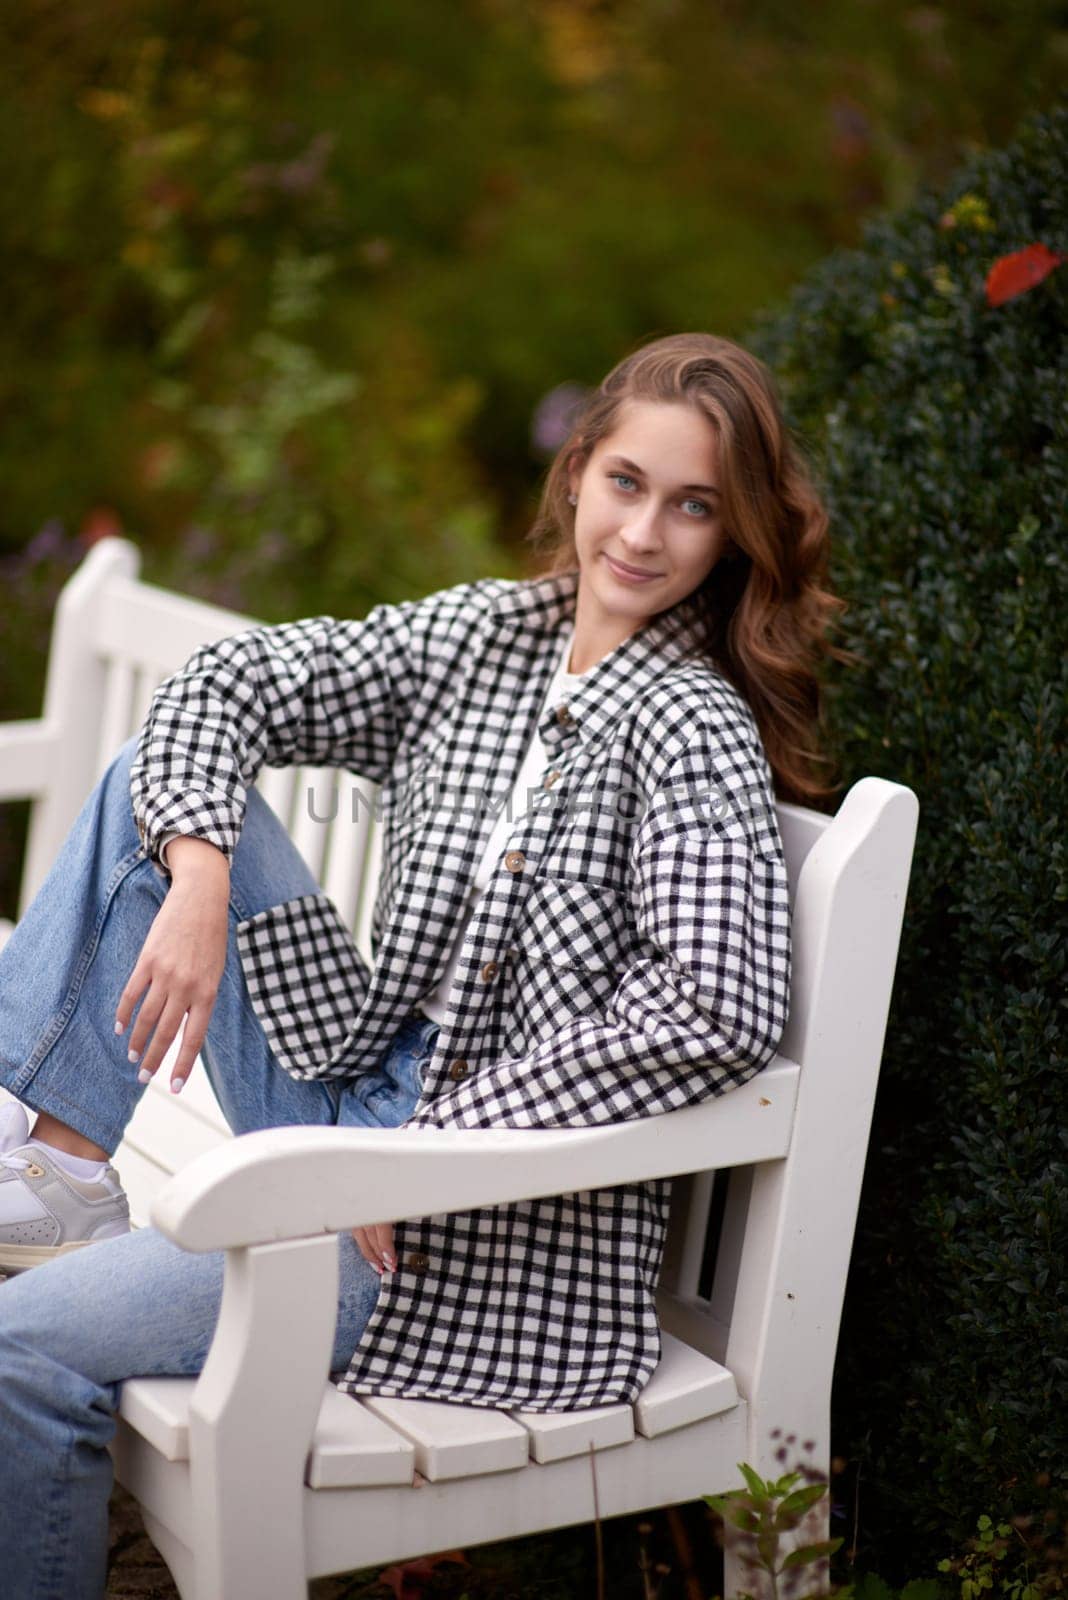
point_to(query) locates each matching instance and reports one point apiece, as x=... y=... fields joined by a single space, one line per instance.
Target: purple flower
x=555 y=416
x=49 y=543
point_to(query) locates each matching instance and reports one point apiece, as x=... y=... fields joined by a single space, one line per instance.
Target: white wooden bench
x=250 y=1486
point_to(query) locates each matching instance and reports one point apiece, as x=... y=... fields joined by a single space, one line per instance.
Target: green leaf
x=786 y=1521
x=803 y=1499
x=757 y=1487
x=811 y=1552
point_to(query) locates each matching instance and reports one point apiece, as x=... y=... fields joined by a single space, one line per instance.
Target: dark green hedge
x=942 y=426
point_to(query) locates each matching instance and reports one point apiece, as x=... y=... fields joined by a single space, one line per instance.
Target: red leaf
x=1015 y=274
x=408 y=1578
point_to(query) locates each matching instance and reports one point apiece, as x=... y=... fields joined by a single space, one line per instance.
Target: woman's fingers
x=196 y=1027
x=161 y=1020
x=166 y=1030
x=367 y=1249
x=136 y=984
x=376 y=1245
x=152 y=1008
x=176 y=976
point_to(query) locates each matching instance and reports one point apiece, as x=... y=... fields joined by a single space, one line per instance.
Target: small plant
x=982 y=1571
x=760 y=1514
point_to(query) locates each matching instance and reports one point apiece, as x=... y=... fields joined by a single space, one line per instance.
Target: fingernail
x=132 y=1055
x=377 y=1268
x=118 y=1027
x=391 y=1261
x=143 y=1076
x=177 y=1085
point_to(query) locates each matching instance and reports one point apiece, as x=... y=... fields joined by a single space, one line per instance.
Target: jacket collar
x=546 y=607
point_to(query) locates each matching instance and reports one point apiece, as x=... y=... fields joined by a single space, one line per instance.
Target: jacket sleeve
x=705 y=1007
x=319 y=691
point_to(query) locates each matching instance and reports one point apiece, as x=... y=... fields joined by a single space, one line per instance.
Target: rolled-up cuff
x=161 y=816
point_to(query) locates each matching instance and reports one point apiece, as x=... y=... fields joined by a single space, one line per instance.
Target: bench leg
x=252 y=1418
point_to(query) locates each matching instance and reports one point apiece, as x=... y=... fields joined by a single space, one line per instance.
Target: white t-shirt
x=530 y=777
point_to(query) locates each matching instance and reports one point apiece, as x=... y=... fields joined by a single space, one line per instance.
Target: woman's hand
x=181 y=960
x=376 y=1246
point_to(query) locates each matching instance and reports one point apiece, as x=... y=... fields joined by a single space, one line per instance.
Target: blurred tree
x=275 y=271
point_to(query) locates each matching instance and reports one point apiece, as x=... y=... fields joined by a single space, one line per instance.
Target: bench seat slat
x=556 y=1435
x=352 y=1448
x=454 y=1441
x=158 y=1409
x=686 y=1387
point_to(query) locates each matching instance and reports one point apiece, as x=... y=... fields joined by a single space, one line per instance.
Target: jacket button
x=549 y=779
x=458 y=1070
x=417 y=1261
x=515 y=860
x=489 y=972
x=564 y=717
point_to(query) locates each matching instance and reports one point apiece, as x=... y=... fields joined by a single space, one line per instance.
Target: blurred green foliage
x=942 y=425
x=287 y=283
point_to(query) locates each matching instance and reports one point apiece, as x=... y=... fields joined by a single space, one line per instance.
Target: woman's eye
x=624 y=481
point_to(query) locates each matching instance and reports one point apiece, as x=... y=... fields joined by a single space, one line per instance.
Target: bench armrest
x=293 y=1183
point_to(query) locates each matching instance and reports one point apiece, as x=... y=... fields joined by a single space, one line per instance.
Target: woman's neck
x=596 y=635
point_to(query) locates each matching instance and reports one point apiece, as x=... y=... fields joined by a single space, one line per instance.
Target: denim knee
x=36 y=1387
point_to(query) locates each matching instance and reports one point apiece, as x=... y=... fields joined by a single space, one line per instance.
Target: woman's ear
x=575 y=469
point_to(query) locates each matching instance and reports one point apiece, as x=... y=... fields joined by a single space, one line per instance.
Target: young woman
x=582 y=918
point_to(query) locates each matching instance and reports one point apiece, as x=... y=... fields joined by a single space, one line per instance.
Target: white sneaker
x=45 y=1211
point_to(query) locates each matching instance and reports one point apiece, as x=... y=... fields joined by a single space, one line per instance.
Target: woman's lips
x=629 y=574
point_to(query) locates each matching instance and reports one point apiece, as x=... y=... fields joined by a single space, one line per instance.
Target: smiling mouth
x=631 y=572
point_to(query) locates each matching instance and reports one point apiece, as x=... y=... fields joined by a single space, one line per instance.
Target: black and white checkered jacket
x=629 y=956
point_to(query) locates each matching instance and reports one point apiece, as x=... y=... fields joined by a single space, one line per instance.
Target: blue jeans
x=71 y=1331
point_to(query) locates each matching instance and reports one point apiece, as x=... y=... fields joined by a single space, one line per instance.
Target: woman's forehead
x=663 y=436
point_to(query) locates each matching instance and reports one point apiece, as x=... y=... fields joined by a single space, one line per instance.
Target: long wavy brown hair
x=765 y=607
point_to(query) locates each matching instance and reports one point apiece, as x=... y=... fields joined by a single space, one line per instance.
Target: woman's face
x=648 y=529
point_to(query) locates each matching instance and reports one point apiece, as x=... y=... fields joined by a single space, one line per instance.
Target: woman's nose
x=641 y=531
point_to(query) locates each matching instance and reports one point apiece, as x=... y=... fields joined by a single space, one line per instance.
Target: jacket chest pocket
x=568 y=946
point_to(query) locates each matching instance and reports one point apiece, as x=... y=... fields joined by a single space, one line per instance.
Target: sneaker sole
x=20 y=1257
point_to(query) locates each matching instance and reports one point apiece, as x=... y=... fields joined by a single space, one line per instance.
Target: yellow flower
x=971 y=211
